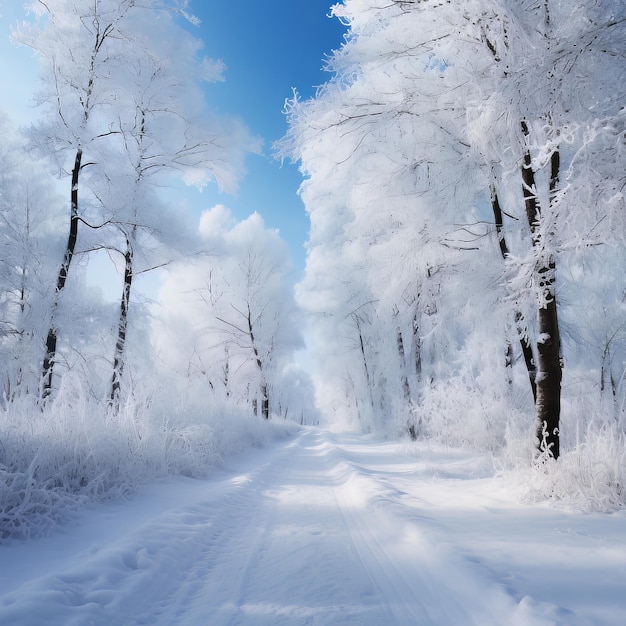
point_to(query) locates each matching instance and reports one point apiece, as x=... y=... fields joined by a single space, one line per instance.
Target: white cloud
x=212 y=70
x=215 y=221
x=19 y=78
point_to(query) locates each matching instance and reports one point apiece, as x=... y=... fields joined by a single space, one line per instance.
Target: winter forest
x=464 y=172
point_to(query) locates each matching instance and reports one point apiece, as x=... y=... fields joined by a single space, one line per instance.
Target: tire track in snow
x=214 y=586
x=406 y=568
x=419 y=564
x=132 y=576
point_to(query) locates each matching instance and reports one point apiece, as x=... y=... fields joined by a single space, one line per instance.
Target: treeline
x=465 y=176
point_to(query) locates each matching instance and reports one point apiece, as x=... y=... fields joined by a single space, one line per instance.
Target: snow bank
x=55 y=460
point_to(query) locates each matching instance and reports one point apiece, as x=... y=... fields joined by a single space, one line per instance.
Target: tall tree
x=435 y=105
x=122 y=107
x=519 y=40
x=80 y=43
x=165 y=138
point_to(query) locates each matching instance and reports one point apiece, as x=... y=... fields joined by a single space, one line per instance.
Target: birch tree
x=120 y=85
x=80 y=44
x=165 y=138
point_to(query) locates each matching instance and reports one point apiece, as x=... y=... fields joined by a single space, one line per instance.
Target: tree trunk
x=522 y=331
x=406 y=389
x=549 y=371
x=548 y=405
x=417 y=347
x=404 y=378
x=265 y=398
x=226 y=371
x=51 y=339
x=120 y=344
x=368 y=378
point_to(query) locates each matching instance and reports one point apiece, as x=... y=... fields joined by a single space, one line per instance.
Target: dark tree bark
x=404 y=378
x=522 y=332
x=406 y=389
x=263 y=387
x=120 y=344
x=366 y=370
x=417 y=346
x=549 y=370
x=51 y=339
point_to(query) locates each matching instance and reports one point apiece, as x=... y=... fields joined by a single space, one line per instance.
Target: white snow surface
x=324 y=529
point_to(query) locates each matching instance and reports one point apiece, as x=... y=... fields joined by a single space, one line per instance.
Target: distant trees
x=229 y=316
x=444 y=131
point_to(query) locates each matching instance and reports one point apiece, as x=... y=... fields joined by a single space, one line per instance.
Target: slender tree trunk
x=263 y=387
x=406 y=389
x=51 y=339
x=226 y=371
x=549 y=370
x=404 y=378
x=120 y=344
x=522 y=331
x=368 y=378
x=417 y=346
x=265 y=400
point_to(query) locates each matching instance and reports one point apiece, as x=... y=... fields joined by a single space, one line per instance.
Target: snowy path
x=323 y=529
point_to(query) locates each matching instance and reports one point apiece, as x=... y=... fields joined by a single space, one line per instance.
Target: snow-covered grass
x=591 y=476
x=53 y=461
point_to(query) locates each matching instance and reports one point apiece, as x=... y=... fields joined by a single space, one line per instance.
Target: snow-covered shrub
x=54 y=460
x=456 y=415
x=589 y=477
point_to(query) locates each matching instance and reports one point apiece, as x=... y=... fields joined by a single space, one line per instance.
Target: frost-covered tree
x=80 y=44
x=229 y=320
x=122 y=106
x=452 y=135
x=381 y=217
x=29 y=210
x=32 y=220
x=548 y=83
x=166 y=133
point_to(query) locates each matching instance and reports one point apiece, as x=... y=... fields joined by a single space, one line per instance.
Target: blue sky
x=268 y=48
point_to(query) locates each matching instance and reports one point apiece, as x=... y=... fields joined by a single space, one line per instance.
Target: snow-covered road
x=324 y=529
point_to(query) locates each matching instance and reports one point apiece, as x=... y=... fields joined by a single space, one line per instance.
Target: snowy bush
x=590 y=477
x=590 y=474
x=456 y=415
x=54 y=460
